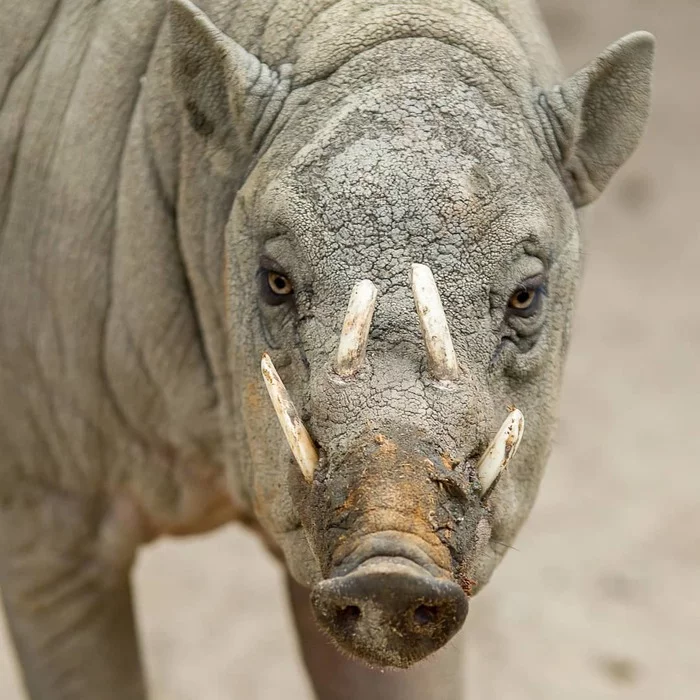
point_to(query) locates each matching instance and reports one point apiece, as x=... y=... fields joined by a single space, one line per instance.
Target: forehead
x=396 y=178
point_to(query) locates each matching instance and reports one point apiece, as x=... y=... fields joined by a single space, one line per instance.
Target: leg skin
x=69 y=608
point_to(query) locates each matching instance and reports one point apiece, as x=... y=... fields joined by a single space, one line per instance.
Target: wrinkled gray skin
x=150 y=166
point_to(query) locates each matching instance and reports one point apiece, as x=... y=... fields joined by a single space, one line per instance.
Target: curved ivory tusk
x=358 y=319
x=501 y=450
x=442 y=361
x=297 y=435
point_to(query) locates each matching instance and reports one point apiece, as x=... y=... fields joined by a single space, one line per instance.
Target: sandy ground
x=601 y=598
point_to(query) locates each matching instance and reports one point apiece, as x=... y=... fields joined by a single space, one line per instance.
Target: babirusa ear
x=595 y=119
x=229 y=94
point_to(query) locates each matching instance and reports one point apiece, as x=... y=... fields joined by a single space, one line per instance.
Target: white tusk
x=353 y=339
x=501 y=450
x=297 y=435
x=442 y=361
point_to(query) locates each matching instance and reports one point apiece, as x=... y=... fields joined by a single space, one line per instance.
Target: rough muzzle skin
x=392 y=526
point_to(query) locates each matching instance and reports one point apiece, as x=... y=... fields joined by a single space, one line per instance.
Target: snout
x=389 y=611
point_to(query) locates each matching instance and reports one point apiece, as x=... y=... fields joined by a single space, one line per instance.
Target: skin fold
x=183 y=188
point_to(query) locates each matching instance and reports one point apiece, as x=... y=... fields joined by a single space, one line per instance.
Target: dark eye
x=275 y=288
x=527 y=300
x=278 y=283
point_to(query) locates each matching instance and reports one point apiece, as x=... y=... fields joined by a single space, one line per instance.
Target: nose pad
x=390 y=611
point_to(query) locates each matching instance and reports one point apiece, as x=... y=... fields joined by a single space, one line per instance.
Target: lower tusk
x=442 y=361
x=297 y=435
x=501 y=450
x=356 y=327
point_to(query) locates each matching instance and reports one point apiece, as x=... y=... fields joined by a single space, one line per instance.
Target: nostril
x=425 y=614
x=347 y=617
x=388 y=614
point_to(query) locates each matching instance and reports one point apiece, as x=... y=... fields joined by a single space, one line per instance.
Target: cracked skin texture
x=145 y=175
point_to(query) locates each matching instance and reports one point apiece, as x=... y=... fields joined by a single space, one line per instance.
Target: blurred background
x=600 y=599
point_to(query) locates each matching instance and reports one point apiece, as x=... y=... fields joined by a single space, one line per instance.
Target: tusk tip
x=356 y=327
x=442 y=359
x=298 y=437
x=267 y=367
x=421 y=273
x=501 y=450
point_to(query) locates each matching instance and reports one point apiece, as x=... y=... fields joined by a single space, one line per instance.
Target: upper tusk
x=501 y=450
x=442 y=361
x=358 y=319
x=297 y=435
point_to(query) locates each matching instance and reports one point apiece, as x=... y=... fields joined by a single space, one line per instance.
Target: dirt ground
x=601 y=597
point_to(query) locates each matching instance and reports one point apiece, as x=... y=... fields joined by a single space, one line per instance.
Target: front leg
x=65 y=587
x=337 y=677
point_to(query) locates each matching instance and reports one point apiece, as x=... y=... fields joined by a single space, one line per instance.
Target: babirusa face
x=394 y=584
x=403 y=256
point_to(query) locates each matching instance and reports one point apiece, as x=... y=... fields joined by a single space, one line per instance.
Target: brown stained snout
x=392 y=527
x=391 y=482
x=393 y=493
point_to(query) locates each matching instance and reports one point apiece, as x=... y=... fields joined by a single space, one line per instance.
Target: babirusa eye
x=523 y=299
x=275 y=287
x=279 y=284
x=526 y=300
